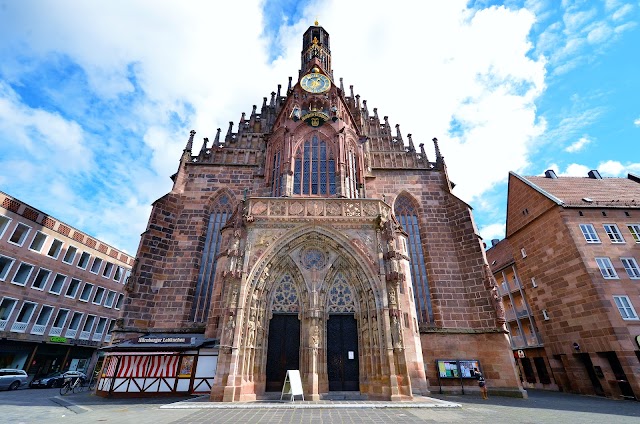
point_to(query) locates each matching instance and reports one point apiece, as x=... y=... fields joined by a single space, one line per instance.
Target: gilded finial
x=316 y=22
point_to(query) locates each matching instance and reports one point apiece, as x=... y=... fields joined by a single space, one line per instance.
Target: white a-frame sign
x=292 y=385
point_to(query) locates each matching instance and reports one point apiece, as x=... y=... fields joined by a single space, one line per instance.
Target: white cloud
x=611 y=168
x=578 y=145
x=622 y=12
x=202 y=64
x=575 y=170
x=492 y=231
x=636 y=122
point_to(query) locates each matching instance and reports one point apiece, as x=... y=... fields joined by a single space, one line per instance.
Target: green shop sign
x=56 y=339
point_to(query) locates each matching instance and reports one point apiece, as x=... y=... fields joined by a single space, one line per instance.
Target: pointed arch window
x=352 y=176
x=206 y=276
x=276 y=177
x=407 y=214
x=314 y=169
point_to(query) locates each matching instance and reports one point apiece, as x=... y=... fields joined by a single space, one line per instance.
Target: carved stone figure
x=396 y=332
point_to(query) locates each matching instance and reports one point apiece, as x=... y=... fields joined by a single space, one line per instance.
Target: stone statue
x=315 y=337
x=228 y=332
x=396 y=332
x=392 y=296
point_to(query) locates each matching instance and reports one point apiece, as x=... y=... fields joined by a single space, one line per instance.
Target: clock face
x=315 y=83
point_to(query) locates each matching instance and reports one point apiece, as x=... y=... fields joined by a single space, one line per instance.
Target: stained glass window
x=206 y=276
x=312 y=169
x=406 y=213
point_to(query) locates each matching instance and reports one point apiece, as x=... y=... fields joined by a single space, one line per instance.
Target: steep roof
x=590 y=192
x=499 y=256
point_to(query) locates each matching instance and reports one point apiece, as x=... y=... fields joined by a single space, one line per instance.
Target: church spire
x=315 y=50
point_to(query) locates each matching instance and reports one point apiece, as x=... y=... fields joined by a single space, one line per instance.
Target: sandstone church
x=313 y=237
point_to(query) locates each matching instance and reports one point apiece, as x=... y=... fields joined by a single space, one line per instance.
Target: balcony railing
x=517 y=342
x=532 y=340
x=55 y=331
x=19 y=327
x=107 y=338
x=3 y=324
x=71 y=333
x=97 y=337
x=38 y=329
x=84 y=335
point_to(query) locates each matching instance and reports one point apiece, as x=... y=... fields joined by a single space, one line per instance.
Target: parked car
x=56 y=379
x=12 y=379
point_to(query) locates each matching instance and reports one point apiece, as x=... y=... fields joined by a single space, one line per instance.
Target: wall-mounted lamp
x=576 y=346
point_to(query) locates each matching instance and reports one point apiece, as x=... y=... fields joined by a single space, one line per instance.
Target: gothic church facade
x=318 y=239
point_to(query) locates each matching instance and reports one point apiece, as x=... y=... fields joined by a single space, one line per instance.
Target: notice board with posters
x=457 y=368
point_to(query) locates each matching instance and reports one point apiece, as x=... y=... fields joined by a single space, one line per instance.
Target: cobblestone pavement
x=47 y=406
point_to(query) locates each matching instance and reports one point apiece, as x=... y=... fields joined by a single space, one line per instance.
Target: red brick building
x=569 y=277
x=61 y=291
x=315 y=237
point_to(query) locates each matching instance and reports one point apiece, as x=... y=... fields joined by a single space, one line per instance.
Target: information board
x=457 y=368
x=292 y=385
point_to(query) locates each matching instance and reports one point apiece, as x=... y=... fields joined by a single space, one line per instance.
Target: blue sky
x=97 y=98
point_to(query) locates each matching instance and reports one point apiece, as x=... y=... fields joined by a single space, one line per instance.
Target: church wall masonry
x=283 y=241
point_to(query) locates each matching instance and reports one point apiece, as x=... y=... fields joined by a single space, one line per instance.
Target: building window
x=95 y=267
x=19 y=234
x=119 y=301
x=533 y=282
x=614 y=233
x=523 y=253
x=102 y=323
x=314 y=169
x=58 y=283
x=75 y=320
x=38 y=241
x=25 y=314
x=5 y=265
x=634 y=229
x=106 y=272
x=61 y=318
x=70 y=255
x=97 y=297
x=72 y=290
x=41 y=279
x=84 y=260
x=111 y=296
x=631 y=266
x=88 y=324
x=22 y=274
x=44 y=315
x=117 y=275
x=54 y=250
x=6 y=307
x=4 y=223
x=625 y=307
x=86 y=292
x=545 y=315
x=589 y=233
x=222 y=210
x=606 y=268
x=407 y=213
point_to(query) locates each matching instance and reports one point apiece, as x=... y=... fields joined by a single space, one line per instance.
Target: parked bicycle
x=72 y=384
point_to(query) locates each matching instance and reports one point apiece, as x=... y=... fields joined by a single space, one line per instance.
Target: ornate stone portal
x=315 y=272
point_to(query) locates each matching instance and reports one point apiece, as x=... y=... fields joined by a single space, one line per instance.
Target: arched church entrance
x=283 y=351
x=342 y=353
x=283 y=345
x=343 y=369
